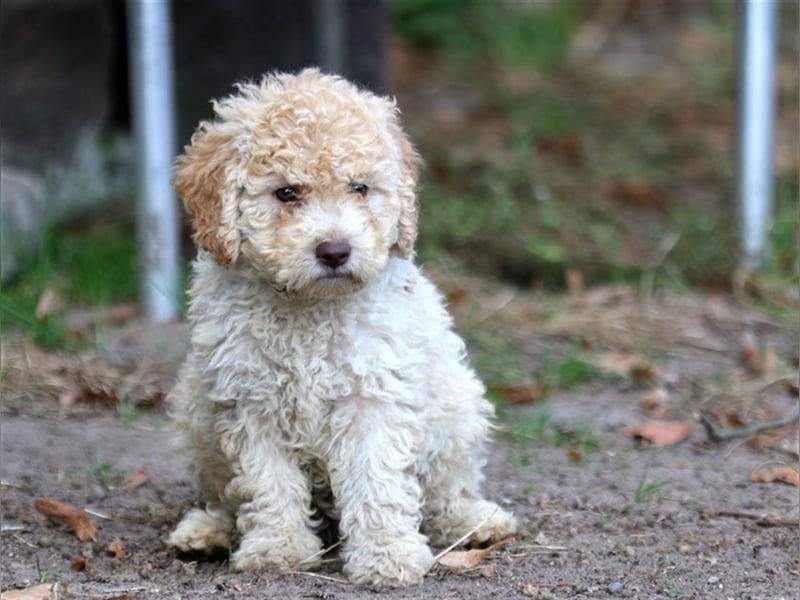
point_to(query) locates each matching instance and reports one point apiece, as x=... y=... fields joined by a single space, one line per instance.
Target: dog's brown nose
x=333 y=254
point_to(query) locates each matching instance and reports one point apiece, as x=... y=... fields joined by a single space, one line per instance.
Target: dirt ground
x=603 y=513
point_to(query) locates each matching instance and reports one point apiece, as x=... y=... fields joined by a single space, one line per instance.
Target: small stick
x=717 y=434
x=763 y=520
x=318 y=553
x=464 y=537
x=320 y=576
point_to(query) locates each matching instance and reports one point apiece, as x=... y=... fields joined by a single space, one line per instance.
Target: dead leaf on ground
x=772 y=439
x=75 y=518
x=116 y=548
x=49 y=303
x=135 y=479
x=463 y=560
x=522 y=394
x=655 y=404
x=759 y=359
x=662 y=433
x=44 y=591
x=574 y=279
x=456 y=297
x=782 y=474
x=567 y=146
x=637 y=193
x=78 y=562
x=627 y=364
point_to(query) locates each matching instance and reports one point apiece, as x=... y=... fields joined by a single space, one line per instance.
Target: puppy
x=324 y=382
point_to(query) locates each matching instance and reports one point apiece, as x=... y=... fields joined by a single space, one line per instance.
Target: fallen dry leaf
x=462 y=560
x=637 y=193
x=521 y=394
x=49 y=303
x=116 y=548
x=782 y=474
x=135 y=479
x=566 y=146
x=78 y=562
x=655 y=403
x=83 y=526
x=758 y=359
x=574 y=279
x=626 y=364
x=662 y=433
x=44 y=591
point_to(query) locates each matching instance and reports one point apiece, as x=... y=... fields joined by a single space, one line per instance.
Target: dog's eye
x=359 y=188
x=286 y=194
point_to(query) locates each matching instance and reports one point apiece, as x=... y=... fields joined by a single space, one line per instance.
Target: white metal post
x=154 y=125
x=754 y=169
x=330 y=17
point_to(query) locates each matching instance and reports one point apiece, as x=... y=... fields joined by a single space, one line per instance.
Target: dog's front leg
x=274 y=517
x=372 y=468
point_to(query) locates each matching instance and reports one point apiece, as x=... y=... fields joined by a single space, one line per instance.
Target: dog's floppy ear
x=409 y=209
x=204 y=180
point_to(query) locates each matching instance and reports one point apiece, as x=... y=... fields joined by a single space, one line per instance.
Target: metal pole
x=330 y=35
x=758 y=40
x=154 y=124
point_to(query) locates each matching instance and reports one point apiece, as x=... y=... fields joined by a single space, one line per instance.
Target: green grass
x=93 y=267
x=523 y=212
x=644 y=492
x=520 y=33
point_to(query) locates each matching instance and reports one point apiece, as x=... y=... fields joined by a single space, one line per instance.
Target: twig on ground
x=717 y=434
x=320 y=576
x=463 y=538
x=758 y=519
x=318 y=553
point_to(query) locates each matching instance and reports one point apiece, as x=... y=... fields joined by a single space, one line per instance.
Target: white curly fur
x=311 y=392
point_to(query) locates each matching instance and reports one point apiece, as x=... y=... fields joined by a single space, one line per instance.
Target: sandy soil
x=707 y=531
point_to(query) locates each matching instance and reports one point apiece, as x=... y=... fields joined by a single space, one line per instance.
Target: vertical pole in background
x=330 y=19
x=154 y=125
x=754 y=168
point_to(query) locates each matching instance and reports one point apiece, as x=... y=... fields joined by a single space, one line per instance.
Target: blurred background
x=567 y=143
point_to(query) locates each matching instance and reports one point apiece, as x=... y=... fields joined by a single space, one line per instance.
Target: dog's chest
x=303 y=362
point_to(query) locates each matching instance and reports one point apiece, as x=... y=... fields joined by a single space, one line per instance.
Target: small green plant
x=95 y=266
x=531 y=428
x=569 y=372
x=43 y=575
x=103 y=472
x=128 y=412
x=644 y=492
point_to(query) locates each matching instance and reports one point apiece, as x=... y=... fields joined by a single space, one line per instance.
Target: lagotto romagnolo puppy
x=324 y=382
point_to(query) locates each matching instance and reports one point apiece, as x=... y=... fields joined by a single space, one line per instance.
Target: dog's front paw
x=477 y=522
x=202 y=531
x=258 y=551
x=394 y=564
x=492 y=523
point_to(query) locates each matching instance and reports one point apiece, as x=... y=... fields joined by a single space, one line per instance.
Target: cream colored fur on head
x=324 y=383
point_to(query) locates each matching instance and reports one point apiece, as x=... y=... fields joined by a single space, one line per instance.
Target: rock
x=614 y=588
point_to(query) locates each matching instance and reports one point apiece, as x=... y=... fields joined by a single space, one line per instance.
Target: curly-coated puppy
x=324 y=382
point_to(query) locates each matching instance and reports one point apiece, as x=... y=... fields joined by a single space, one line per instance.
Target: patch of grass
x=644 y=492
x=128 y=412
x=519 y=33
x=539 y=427
x=91 y=267
x=103 y=472
x=569 y=372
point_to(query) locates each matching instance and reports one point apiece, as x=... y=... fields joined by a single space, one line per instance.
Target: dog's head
x=304 y=178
